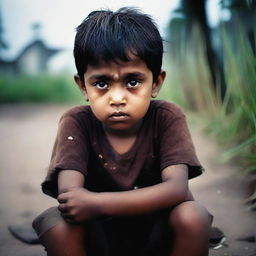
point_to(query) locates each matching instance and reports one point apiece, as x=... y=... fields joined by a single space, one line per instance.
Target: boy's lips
x=118 y=116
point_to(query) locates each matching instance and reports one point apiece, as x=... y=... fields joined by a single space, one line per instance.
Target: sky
x=59 y=18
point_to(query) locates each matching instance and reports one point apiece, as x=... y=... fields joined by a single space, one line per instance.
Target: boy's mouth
x=118 y=116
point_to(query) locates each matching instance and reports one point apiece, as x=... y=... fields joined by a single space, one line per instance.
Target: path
x=26 y=138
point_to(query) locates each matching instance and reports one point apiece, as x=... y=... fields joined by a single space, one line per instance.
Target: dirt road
x=27 y=133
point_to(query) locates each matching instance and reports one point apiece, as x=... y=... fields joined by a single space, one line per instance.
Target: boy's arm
x=172 y=191
x=68 y=179
x=80 y=204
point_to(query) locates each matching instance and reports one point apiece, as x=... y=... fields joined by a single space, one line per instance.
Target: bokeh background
x=210 y=59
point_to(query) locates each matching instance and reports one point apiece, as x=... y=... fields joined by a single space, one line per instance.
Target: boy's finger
x=62 y=208
x=66 y=216
x=70 y=220
x=62 y=198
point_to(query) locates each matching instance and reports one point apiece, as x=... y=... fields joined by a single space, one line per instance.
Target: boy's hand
x=77 y=205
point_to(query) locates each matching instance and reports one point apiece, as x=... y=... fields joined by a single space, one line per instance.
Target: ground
x=27 y=133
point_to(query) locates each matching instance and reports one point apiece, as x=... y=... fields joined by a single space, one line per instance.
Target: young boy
x=120 y=167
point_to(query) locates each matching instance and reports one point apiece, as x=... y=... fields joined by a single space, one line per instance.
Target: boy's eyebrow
x=110 y=77
x=135 y=75
x=99 y=77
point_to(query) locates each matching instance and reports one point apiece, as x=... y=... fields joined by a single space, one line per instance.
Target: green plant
x=38 y=88
x=240 y=104
x=191 y=71
x=232 y=120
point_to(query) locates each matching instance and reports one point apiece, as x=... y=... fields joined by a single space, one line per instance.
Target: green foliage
x=239 y=108
x=171 y=89
x=190 y=74
x=231 y=121
x=38 y=88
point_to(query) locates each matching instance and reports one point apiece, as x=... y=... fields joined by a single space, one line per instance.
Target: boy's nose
x=117 y=98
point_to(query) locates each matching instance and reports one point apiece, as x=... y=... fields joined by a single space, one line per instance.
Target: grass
x=190 y=75
x=231 y=121
x=240 y=104
x=38 y=89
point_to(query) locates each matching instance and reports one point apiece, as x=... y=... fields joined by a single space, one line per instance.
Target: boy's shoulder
x=167 y=107
x=77 y=111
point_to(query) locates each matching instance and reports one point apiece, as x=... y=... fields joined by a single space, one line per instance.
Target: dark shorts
x=145 y=235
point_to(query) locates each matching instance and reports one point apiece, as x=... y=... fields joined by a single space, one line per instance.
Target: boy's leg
x=64 y=239
x=58 y=236
x=190 y=223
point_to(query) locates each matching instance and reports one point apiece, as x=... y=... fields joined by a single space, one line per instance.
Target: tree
x=195 y=14
x=3 y=44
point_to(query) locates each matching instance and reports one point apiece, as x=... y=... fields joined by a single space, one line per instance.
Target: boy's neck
x=122 y=140
x=132 y=132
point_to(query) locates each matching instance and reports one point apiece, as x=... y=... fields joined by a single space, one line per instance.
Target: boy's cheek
x=94 y=98
x=99 y=111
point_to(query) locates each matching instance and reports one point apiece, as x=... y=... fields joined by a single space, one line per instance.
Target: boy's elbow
x=178 y=194
x=176 y=179
x=181 y=194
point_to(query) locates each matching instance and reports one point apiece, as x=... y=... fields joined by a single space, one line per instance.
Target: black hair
x=111 y=36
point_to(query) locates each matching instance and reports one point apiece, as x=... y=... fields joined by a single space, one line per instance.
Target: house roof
x=41 y=46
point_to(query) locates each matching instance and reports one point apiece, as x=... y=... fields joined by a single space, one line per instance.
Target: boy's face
x=119 y=94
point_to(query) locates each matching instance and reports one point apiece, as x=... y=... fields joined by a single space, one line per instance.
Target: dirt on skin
x=27 y=133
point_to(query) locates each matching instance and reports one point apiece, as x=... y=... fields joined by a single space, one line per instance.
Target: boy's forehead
x=117 y=66
x=103 y=63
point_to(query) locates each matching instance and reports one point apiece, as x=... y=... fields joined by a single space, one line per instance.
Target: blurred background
x=210 y=59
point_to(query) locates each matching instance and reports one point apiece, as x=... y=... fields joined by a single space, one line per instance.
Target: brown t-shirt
x=82 y=145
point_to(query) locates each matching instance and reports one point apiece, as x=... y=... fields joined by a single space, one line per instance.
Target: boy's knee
x=62 y=237
x=64 y=230
x=51 y=227
x=190 y=216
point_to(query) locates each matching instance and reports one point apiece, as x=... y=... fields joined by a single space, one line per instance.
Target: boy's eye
x=101 y=85
x=133 y=84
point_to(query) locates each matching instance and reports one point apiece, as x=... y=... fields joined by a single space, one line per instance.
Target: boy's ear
x=158 y=83
x=80 y=84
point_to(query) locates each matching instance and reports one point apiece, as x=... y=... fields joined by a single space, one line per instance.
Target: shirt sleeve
x=70 y=152
x=176 y=146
